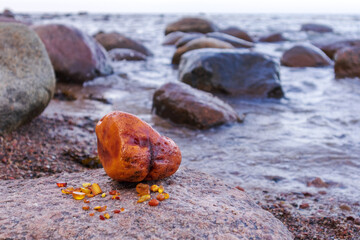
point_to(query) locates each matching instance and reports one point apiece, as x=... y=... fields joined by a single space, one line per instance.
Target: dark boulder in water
x=305 y=55
x=234 y=72
x=331 y=46
x=273 y=37
x=236 y=42
x=237 y=32
x=191 y=24
x=347 y=63
x=119 y=54
x=183 y=104
x=75 y=56
x=315 y=27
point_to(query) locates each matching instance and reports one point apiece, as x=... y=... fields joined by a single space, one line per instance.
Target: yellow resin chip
x=144 y=198
x=85 y=185
x=161 y=189
x=103 y=195
x=107 y=216
x=154 y=188
x=78 y=195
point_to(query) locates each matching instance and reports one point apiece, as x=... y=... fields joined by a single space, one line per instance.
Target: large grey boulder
x=200 y=207
x=233 y=72
x=27 y=80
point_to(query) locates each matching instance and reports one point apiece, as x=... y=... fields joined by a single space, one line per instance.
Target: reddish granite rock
x=75 y=56
x=347 y=63
x=116 y=40
x=273 y=37
x=237 y=32
x=186 y=105
x=315 y=27
x=191 y=24
x=305 y=55
x=330 y=46
x=118 y=54
x=199 y=205
x=197 y=44
x=236 y=42
x=173 y=37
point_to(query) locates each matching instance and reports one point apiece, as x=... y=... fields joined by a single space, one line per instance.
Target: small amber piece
x=107 y=216
x=100 y=209
x=85 y=185
x=154 y=188
x=144 y=198
x=103 y=195
x=86 y=201
x=160 y=197
x=116 y=211
x=122 y=209
x=115 y=197
x=61 y=184
x=113 y=192
x=166 y=195
x=78 y=195
x=102 y=217
x=95 y=189
x=153 y=202
x=97 y=207
x=67 y=190
x=142 y=189
x=161 y=189
x=85 y=208
x=91 y=214
x=90 y=195
x=85 y=190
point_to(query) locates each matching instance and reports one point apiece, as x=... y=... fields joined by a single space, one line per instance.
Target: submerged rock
x=118 y=54
x=236 y=42
x=347 y=63
x=330 y=46
x=197 y=44
x=27 y=81
x=237 y=32
x=173 y=37
x=305 y=55
x=191 y=24
x=187 y=38
x=186 y=105
x=116 y=40
x=199 y=205
x=233 y=72
x=315 y=27
x=75 y=56
x=273 y=37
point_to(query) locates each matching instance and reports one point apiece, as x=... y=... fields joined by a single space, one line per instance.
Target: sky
x=184 y=6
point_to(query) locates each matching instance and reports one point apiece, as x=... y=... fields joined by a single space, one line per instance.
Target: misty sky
x=184 y=6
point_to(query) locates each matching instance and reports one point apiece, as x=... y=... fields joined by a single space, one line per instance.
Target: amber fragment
x=61 y=184
x=85 y=190
x=113 y=192
x=90 y=195
x=91 y=214
x=103 y=195
x=85 y=208
x=85 y=185
x=154 y=188
x=116 y=211
x=166 y=195
x=107 y=216
x=97 y=207
x=160 y=197
x=86 y=201
x=67 y=190
x=161 y=189
x=142 y=189
x=78 y=195
x=95 y=189
x=153 y=202
x=100 y=209
x=122 y=209
x=102 y=217
x=144 y=198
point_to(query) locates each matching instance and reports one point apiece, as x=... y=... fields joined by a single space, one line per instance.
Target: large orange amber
x=131 y=150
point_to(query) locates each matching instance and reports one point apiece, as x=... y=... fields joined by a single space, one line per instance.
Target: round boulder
x=187 y=38
x=27 y=81
x=119 y=54
x=315 y=27
x=330 y=46
x=75 y=56
x=237 y=32
x=305 y=55
x=273 y=37
x=197 y=44
x=233 y=72
x=347 y=63
x=116 y=40
x=183 y=104
x=173 y=37
x=191 y=24
x=236 y=42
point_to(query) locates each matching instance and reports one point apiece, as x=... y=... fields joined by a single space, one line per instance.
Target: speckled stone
x=199 y=207
x=27 y=80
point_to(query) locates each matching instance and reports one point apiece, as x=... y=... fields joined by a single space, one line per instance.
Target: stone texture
x=7 y=13
x=191 y=24
x=315 y=27
x=273 y=37
x=75 y=56
x=116 y=40
x=187 y=38
x=4 y=19
x=118 y=54
x=173 y=37
x=197 y=44
x=183 y=104
x=236 y=42
x=234 y=72
x=237 y=32
x=305 y=55
x=199 y=207
x=331 y=46
x=27 y=80
x=347 y=63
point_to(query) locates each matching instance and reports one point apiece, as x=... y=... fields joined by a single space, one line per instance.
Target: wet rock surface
x=233 y=72
x=172 y=38
x=273 y=37
x=305 y=55
x=27 y=77
x=75 y=56
x=315 y=27
x=118 y=54
x=116 y=40
x=199 y=206
x=183 y=104
x=331 y=47
x=187 y=38
x=237 y=32
x=191 y=24
x=236 y=42
x=347 y=63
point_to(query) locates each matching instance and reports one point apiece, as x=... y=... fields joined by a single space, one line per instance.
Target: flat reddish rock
x=200 y=206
